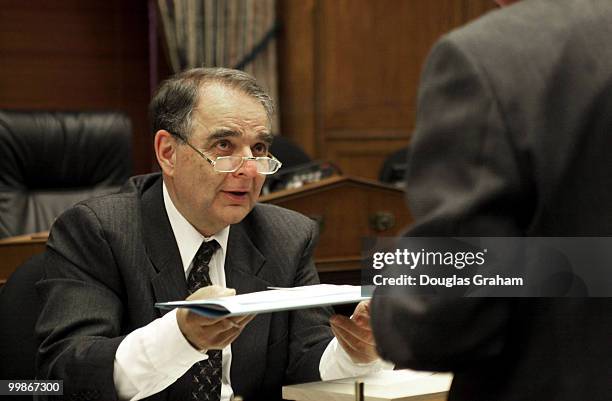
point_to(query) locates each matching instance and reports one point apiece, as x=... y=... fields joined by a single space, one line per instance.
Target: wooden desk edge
x=35 y=238
x=432 y=388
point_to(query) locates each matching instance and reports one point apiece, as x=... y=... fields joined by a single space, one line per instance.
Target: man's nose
x=248 y=168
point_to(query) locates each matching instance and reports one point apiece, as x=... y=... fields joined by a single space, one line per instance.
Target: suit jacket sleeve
x=80 y=322
x=465 y=178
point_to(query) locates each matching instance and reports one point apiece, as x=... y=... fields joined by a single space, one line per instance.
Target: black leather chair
x=291 y=155
x=51 y=160
x=285 y=150
x=394 y=167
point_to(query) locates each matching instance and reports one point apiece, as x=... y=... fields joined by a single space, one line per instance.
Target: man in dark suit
x=513 y=134
x=193 y=229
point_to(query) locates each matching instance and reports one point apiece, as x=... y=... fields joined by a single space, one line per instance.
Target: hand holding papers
x=355 y=334
x=205 y=333
x=271 y=301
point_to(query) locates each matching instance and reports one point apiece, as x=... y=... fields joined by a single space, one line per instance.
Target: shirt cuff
x=152 y=357
x=337 y=364
x=170 y=347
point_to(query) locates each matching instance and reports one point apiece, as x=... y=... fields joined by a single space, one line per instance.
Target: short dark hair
x=176 y=97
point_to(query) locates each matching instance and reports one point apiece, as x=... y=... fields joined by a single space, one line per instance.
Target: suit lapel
x=243 y=263
x=169 y=283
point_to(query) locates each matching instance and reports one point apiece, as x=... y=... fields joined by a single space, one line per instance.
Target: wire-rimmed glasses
x=266 y=165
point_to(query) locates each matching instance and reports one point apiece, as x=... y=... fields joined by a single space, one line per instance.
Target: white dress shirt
x=153 y=357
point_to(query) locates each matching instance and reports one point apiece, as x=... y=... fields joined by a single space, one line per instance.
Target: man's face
x=225 y=122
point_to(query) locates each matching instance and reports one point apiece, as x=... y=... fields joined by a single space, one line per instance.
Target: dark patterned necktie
x=206 y=375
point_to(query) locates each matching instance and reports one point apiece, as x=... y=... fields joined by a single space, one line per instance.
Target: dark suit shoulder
x=526 y=28
x=127 y=198
x=277 y=231
x=111 y=215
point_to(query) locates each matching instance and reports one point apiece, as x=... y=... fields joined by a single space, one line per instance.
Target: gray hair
x=176 y=97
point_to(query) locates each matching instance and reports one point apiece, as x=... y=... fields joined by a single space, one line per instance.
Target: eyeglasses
x=229 y=164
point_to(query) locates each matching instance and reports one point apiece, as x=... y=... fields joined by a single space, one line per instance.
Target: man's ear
x=165 y=151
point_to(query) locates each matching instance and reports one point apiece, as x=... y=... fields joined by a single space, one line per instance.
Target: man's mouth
x=237 y=196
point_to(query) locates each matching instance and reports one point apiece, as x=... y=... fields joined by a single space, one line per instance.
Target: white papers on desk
x=388 y=377
x=387 y=385
x=273 y=300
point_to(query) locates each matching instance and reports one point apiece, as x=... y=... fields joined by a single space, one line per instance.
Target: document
x=274 y=300
x=388 y=377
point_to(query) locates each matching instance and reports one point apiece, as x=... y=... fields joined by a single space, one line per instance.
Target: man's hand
x=355 y=334
x=208 y=333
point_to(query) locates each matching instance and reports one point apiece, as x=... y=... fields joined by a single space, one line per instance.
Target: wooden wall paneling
x=366 y=61
x=297 y=81
x=476 y=8
x=133 y=28
x=367 y=74
x=362 y=158
x=78 y=55
x=372 y=55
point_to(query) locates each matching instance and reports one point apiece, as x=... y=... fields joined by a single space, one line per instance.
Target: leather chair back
x=289 y=153
x=394 y=167
x=52 y=160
